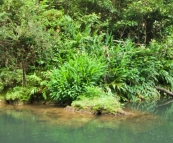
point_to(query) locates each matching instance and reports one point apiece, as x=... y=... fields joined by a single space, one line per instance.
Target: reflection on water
x=151 y=122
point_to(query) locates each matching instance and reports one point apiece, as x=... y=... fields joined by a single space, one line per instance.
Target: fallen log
x=164 y=90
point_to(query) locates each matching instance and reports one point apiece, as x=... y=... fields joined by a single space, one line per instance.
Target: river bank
x=51 y=108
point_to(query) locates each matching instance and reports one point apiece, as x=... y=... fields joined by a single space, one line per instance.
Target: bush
x=9 y=78
x=71 y=80
x=133 y=71
x=18 y=94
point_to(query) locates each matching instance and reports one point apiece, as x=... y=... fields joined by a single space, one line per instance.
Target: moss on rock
x=98 y=105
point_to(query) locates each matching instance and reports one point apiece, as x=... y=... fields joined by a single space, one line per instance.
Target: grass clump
x=101 y=103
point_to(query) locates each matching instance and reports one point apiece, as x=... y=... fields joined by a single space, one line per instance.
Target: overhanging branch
x=164 y=90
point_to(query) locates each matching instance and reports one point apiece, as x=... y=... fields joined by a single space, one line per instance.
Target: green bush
x=35 y=90
x=74 y=76
x=9 y=78
x=133 y=71
x=38 y=85
x=18 y=94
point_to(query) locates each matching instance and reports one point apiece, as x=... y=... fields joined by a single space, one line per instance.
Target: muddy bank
x=69 y=116
x=67 y=108
x=69 y=111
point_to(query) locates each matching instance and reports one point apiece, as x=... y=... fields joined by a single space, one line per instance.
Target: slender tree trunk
x=24 y=74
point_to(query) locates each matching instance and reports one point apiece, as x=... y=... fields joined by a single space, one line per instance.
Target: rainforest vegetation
x=83 y=52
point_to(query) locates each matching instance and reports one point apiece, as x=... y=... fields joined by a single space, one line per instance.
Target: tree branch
x=164 y=90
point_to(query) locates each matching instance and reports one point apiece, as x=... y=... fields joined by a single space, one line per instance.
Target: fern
x=70 y=80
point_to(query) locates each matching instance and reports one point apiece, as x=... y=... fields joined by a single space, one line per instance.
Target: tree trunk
x=23 y=74
x=164 y=90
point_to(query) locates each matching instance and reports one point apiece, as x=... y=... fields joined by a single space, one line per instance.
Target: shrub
x=9 y=78
x=18 y=94
x=133 y=71
x=71 y=79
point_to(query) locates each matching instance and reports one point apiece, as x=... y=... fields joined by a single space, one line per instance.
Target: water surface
x=40 y=124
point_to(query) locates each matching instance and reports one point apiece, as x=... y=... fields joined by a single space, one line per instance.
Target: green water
x=36 y=124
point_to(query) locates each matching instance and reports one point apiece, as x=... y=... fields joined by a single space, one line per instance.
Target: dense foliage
x=56 y=50
x=72 y=78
